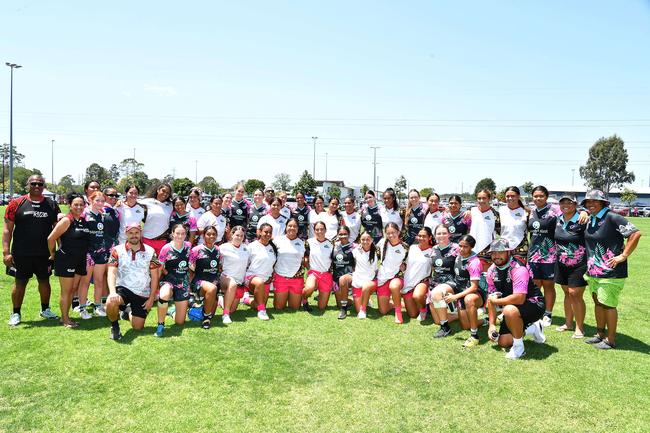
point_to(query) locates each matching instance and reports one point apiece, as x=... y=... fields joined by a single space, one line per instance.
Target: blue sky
x=451 y=91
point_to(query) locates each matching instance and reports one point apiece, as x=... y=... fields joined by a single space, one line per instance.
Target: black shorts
x=542 y=271
x=480 y=292
x=530 y=313
x=27 y=266
x=68 y=265
x=135 y=301
x=572 y=276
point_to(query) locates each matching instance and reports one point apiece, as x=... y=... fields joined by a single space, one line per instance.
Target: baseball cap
x=569 y=197
x=133 y=226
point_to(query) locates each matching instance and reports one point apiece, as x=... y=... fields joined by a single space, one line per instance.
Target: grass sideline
x=302 y=372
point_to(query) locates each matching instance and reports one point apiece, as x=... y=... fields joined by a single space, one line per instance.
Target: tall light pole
x=374 y=169
x=325 y=165
x=4 y=153
x=11 y=128
x=52 y=180
x=313 y=172
x=196 y=171
x=573 y=175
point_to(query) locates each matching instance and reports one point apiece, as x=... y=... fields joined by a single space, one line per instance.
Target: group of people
x=449 y=263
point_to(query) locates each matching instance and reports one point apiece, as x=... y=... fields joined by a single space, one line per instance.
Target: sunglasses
x=36 y=183
x=111 y=195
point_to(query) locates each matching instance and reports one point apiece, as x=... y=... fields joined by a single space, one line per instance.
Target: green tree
x=501 y=195
x=606 y=165
x=486 y=183
x=4 y=155
x=98 y=173
x=209 y=185
x=282 y=182
x=628 y=196
x=306 y=184
x=168 y=179
x=66 y=185
x=129 y=166
x=21 y=174
x=527 y=187
x=426 y=191
x=182 y=186
x=364 y=189
x=114 y=171
x=401 y=184
x=253 y=184
x=334 y=191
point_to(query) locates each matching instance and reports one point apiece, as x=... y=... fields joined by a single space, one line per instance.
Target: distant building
x=642 y=194
x=323 y=188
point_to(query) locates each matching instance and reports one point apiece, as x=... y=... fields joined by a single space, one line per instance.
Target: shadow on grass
x=624 y=342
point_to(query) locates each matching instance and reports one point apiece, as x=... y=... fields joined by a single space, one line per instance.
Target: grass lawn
x=302 y=372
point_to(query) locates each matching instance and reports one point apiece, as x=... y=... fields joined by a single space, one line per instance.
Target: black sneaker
x=124 y=314
x=306 y=307
x=442 y=332
x=343 y=313
x=116 y=335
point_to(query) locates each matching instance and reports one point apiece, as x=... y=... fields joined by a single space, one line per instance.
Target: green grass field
x=302 y=372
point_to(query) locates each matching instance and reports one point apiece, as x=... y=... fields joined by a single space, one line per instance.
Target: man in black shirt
x=28 y=221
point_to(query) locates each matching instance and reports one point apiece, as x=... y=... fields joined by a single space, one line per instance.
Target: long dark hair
x=153 y=193
x=391 y=192
x=516 y=190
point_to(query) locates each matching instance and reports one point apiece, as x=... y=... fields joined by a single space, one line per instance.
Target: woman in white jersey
x=194 y=206
x=332 y=218
x=417 y=275
x=434 y=213
x=288 y=279
x=485 y=225
x=315 y=213
x=130 y=211
x=274 y=218
x=366 y=262
x=234 y=261
x=514 y=222
x=158 y=206
x=390 y=211
x=319 y=257
x=351 y=218
x=214 y=218
x=260 y=268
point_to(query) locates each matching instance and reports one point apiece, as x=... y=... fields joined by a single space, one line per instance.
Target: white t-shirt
x=433 y=220
x=234 y=261
x=353 y=222
x=513 y=225
x=210 y=219
x=331 y=224
x=391 y=262
x=390 y=216
x=128 y=215
x=285 y=212
x=278 y=224
x=482 y=228
x=418 y=267
x=290 y=255
x=364 y=270
x=320 y=255
x=261 y=260
x=314 y=217
x=158 y=214
x=196 y=213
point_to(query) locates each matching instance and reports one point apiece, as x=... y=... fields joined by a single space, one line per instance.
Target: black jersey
x=458 y=225
x=75 y=240
x=239 y=213
x=604 y=239
x=414 y=223
x=443 y=260
x=205 y=262
x=95 y=226
x=570 y=242
x=541 y=225
x=111 y=227
x=255 y=214
x=372 y=223
x=514 y=278
x=33 y=222
x=302 y=216
x=176 y=263
x=342 y=260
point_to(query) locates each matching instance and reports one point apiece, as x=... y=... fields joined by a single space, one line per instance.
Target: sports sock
x=518 y=342
x=261 y=307
x=344 y=304
x=444 y=324
x=548 y=313
x=16 y=310
x=398 y=313
x=115 y=324
x=474 y=332
x=161 y=323
x=226 y=311
x=45 y=306
x=75 y=302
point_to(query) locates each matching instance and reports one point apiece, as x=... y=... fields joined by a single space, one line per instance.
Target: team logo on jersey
x=414 y=220
x=438 y=262
x=301 y=218
x=255 y=218
x=452 y=229
x=487 y=218
x=368 y=217
x=326 y=246
x=536 y=225
x=182 y=264
x=100 y=226
x=398 y=251
x=339 y=257
x=518 y=214
x=456 y=271
x=238 y=212
x=213 y=263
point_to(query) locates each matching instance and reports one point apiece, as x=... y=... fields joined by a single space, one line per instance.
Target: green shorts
x=607 y=290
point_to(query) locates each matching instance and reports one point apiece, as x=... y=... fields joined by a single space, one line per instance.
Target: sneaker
x=100 y=310
x=546 y=321
x=262 y=315
x=306 y=307
x=77 y=309
x=361 y=315
x=159 y=330
x=48 y=314
x=343 y=313
x=443 y=331
x=84 y=314
x=422 y=316
x=516 y=352
x=126 y=313
x=594 y=340
x=226 y=319
x=14 y=319
x=537 y=331
x=471 y=342
x=116 y=335
x=604 y=345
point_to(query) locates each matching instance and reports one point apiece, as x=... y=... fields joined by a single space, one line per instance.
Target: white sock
x=518 y=342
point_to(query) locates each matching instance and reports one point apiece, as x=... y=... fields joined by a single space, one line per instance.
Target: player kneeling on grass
x=132 y=281
x=510 y=286
x=204 y=266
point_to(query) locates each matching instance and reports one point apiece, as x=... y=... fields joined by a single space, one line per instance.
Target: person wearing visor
x=607 y=254
x=511 y=287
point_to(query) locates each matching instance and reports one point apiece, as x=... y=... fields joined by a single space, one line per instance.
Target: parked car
x=644 y=211
x=621 y=210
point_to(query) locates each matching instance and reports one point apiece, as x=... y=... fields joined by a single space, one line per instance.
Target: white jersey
x=418 y=267
x=320 y=255
x=482 y=228
x=390 y=216
x=353 y=222
x=290 y=255
x=364 y=270
x=513 y=225
x=314 y=217
x=331 y=224
x=285 y=212
x=210 y=219
x=391 y=262
x=278 y=224
x=196 y=213
x=433 y=220
x=261 y=260
x=234 y=261
x=158 y=214
x=128 y=215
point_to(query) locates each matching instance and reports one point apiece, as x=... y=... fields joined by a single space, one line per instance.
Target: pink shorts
x=247 y=282
x=407 y=295
x=384 y=289
x=324 y=280
x=356 y=291
x=240 y=292
x=290 y=285
x=156 y=244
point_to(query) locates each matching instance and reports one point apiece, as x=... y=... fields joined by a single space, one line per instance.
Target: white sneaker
x=226 y=319
x=422 y=316
x=14 y=319
x=361 y=315
x=262 y=315
x=516 y=352
x=537 y=332
x=100 y=310
x=84 y=314
x=48 y=314
x=77 y=309
x=546 y=321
